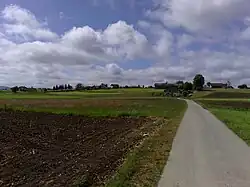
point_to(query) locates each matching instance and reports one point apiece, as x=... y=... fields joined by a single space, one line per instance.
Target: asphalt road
x=206 y=153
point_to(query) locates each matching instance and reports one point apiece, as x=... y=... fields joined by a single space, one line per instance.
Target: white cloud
x=23 y=25
x=117 y=41
x=200 y=15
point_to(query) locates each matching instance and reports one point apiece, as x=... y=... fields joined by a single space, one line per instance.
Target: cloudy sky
x=47 y=42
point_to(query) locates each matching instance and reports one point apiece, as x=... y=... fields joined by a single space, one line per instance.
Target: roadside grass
x=143 y=165
x=237 y=120
x=223 y=99
x=236 y=115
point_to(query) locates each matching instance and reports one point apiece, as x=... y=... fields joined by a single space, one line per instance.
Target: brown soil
x=39 y=149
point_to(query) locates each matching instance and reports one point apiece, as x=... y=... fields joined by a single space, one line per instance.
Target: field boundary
x=144 y=164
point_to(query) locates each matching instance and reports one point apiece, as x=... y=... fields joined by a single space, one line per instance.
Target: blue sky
x=114 y=41
x=97 y=14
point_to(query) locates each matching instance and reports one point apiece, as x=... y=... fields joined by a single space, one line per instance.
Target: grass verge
x=236 y=115
x=143 y=166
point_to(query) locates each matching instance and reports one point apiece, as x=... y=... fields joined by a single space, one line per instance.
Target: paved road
x=206 y=153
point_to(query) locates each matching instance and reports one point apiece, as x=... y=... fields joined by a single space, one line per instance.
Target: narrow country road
x=206 y=153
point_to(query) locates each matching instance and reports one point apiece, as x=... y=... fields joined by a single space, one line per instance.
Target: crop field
x=227 y=104
x=229 y=95
x=65 y=139
x=114 y=93
x=99 y=107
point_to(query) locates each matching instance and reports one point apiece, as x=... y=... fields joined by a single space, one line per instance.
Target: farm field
x=234 y=94
x=233 y=108
x=119 y=93
x=86 y=140
x=99 y=107
x=40 y=149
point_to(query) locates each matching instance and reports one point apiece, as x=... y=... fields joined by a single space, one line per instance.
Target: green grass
x=103 y=107
x=238 y=121
x=143 y=166
x=222 y=94
x=223 y=99
x=10 y=95
x=235 y=114
x=134 y=92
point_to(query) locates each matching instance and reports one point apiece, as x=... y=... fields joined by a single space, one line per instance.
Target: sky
x=44 y=43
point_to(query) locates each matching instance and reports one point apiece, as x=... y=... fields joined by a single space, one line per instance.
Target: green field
x=144 y=164
x=215 y=94
x=232 y=107
x=136 y=92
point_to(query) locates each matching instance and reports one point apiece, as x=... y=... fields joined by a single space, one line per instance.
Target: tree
x=79 y=86
x=66 y=87
x=188 y=86
x=229 y=84
x=209 y=84
x=180 y=82
x=70 y=87
x=198 y=82
x=14 y=89
x=243 y=86
x=57 y=87
x=115 y=86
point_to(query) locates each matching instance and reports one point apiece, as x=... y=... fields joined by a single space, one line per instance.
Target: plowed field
x=42 y=149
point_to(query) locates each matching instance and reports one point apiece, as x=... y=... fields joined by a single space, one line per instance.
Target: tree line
x=197 y=84
x=63 y=87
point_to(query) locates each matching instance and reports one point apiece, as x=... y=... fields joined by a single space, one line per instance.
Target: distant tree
x=243 y=86
x=14 y=89
x=54 y=88
x=198 y=82
x=229 y=84
x=209 y=84
x=65 y=87
x=57 y=87
x=180 y=82
x=139 y=86
x=115 y=86
x=70 y=87
x=61 y=87
x=161 y=85
x=188 y=86
x=79 y=86
x=23 y=89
